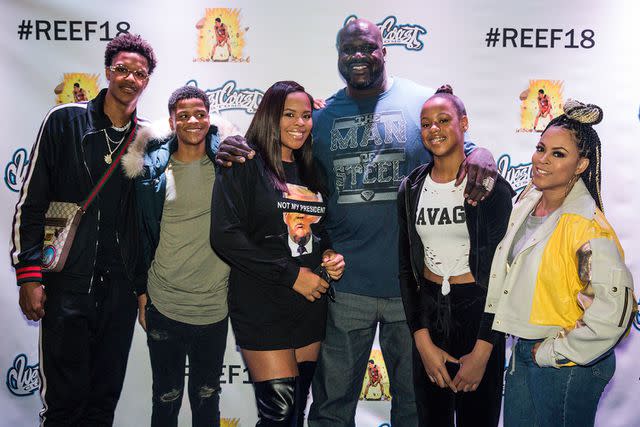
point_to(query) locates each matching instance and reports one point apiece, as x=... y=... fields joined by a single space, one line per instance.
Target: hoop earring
x=570 y=184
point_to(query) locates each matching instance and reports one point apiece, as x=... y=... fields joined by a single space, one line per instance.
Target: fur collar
x=158 y=133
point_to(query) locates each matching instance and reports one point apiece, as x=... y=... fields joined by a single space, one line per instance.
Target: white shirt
x=442 y=227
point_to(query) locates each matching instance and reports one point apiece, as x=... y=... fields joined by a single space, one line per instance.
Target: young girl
x=446 y=248
x=559 y=282
x=268 y=227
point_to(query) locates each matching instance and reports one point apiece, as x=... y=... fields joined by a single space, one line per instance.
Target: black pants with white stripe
x=84 y=347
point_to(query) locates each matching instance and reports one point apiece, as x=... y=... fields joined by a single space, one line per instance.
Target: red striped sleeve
x=29 y=274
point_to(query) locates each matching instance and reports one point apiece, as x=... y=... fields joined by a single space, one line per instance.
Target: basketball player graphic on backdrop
x=222 y=42
x=544 y=108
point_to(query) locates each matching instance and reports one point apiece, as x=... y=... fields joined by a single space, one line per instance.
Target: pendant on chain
x=107 y=159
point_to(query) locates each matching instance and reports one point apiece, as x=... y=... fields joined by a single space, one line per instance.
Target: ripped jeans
x=170 y=342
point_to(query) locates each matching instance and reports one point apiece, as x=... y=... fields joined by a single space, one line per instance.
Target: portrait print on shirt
x=301 y=208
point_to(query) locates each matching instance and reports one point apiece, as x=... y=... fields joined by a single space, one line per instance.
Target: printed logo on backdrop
x=394 y=34
x=229 y=422
x=375 y=385
x=518 y=175
x=22 y=378
x=230 y=97
x=16 y=170
x=77 y=87
x=541 y=101
x=221 y=36
x=636 y=320
x=70 y=30
x=230 y=374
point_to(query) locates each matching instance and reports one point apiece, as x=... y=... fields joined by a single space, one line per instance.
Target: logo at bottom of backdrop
x=229 y=422
x=23 y=379
x=541 y=101
x=77 y=87
x=375 y=384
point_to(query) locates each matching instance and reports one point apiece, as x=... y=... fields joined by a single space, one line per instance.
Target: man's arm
x=234 y=149
x=480 y=169
x=28 y=221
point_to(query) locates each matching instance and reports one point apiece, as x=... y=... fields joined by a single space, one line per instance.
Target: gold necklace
x=108 y=157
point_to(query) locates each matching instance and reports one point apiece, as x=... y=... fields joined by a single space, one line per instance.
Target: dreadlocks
x=579 y=118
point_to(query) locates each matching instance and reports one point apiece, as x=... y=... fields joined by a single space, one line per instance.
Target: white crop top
x=442 y=227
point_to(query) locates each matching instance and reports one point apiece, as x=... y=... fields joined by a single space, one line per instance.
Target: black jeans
x=85 y=341
x=170 y=342
x=436 y=406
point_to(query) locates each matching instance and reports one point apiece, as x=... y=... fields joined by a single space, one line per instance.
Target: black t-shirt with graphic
x=265 y=234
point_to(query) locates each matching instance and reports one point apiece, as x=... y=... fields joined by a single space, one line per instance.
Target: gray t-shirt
x=187 y=280
x=524 y=233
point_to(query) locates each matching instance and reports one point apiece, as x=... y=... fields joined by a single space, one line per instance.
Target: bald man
x=368 y=135
x=367 y=139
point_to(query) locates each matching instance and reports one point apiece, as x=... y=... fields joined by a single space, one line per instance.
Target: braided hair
x=446 y=91
x=579 y=118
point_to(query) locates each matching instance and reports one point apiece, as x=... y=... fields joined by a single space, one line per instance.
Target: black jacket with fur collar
x=58 y=171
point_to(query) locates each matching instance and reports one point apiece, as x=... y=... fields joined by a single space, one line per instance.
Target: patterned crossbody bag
x=62 y=219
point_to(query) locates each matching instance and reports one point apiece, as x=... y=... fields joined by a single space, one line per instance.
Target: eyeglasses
x=324 y=275
x=122 y=71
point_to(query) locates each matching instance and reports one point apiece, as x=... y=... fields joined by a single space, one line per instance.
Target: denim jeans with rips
x=170 y=343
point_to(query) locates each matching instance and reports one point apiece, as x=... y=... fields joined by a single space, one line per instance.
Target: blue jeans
x=170 y=342
x=542 y=397
x=351 y=329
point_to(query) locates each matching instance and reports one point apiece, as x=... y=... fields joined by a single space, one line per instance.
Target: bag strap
x=107 y=174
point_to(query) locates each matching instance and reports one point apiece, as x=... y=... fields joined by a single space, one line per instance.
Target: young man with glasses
x=88 y=309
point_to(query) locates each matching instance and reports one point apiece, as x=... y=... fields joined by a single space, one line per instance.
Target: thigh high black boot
x=275 y=400
x=305 y=375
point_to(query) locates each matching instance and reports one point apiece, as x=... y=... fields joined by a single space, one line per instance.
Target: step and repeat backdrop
x=501 y=57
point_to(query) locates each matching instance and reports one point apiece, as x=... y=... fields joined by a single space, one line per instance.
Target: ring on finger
x=488 y=183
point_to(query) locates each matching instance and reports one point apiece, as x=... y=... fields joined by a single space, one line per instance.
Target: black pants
x=436 y=406
x=84 y=347
x=170 y=342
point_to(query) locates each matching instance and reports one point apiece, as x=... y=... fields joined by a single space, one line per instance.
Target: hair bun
x=445 y=89
x=588 y=114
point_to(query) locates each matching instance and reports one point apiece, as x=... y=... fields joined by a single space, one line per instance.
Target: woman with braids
x=268 y=227
x=446 y=247
x=559 y=283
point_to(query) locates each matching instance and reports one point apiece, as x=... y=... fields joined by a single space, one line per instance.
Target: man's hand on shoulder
x=319 y=104
x=481 y=171
x=32 y=299
x=234 y=149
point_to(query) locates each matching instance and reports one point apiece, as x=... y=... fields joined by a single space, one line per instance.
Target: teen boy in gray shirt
x=185 y=307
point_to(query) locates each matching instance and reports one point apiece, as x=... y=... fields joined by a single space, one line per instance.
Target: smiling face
x=442 y=127
x=556 y=161
x=127 y=90
x=190 y=121
x=361 y=55
x=295 y=123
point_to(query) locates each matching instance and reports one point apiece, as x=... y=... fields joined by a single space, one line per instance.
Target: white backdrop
x=496 y=54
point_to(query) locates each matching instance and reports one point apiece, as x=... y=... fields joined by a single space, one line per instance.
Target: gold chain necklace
x=108 y=157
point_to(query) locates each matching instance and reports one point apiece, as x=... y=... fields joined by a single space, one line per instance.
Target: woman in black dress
x=267 y=224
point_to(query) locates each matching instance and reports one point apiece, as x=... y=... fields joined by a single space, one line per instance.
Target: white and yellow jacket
x=568 y=285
